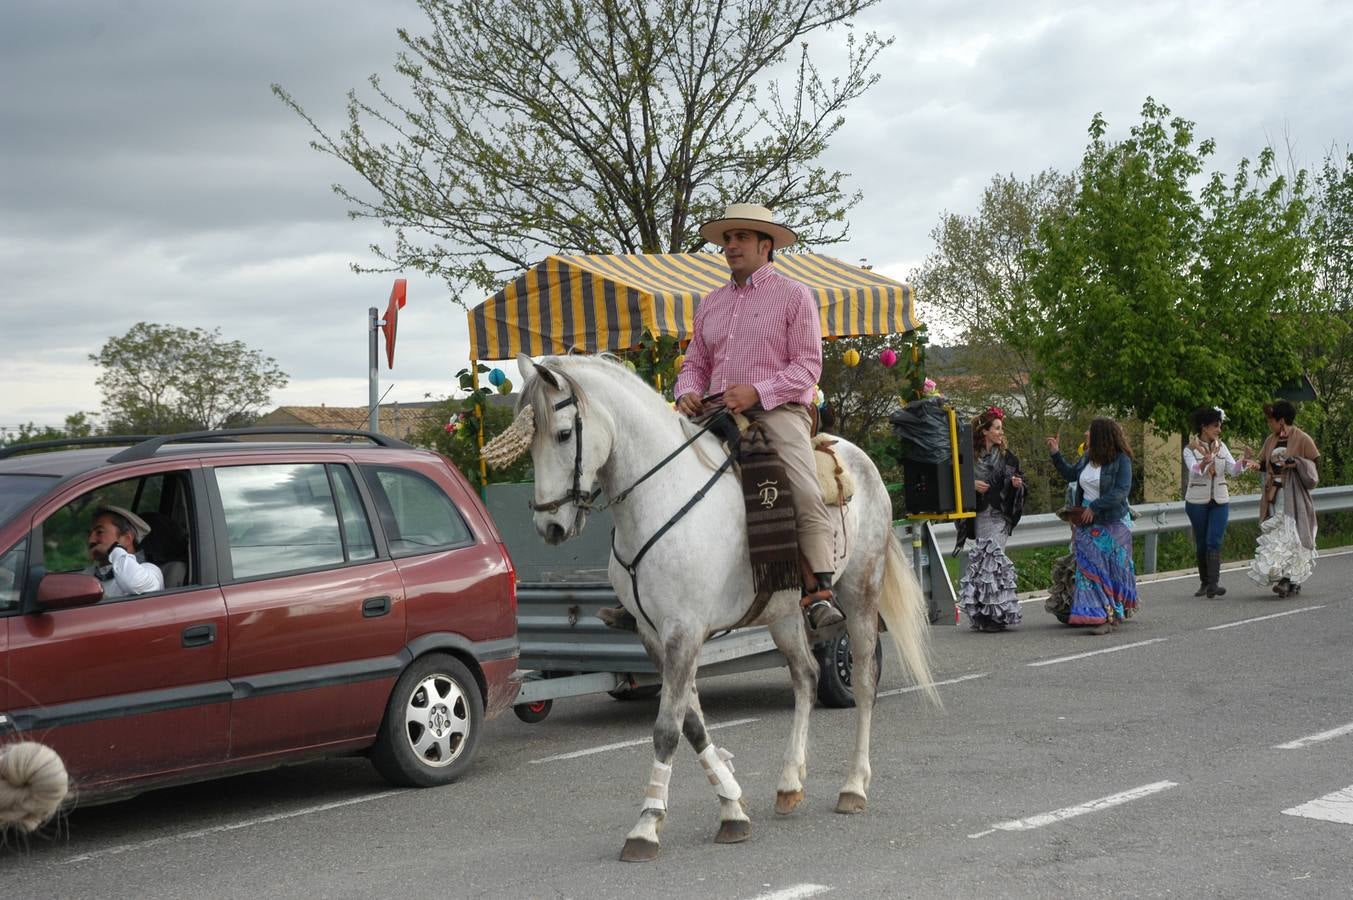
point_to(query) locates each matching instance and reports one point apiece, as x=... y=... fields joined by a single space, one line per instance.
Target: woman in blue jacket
x=1106 y=582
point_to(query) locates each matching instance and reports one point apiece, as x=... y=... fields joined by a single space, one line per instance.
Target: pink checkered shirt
x=766 y=334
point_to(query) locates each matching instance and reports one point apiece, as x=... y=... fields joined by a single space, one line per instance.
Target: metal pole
x=373 y=372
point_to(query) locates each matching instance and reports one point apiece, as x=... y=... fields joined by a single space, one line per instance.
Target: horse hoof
x=787 y=801
x=733 y=831
x=639 y=850
x=850 y=803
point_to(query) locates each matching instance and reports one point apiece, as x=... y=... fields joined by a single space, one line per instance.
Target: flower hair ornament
x=995 y=412
x=1221 y=413
x=515 y=440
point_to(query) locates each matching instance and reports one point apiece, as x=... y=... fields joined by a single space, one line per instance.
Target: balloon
x=679 y=362
x=851 y=358
x=888 y=357
x=496 y=377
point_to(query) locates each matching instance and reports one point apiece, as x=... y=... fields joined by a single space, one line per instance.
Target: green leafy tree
x=1151 y=300
x=978 y=280
x=159 y=379
x=591 y=126
x=1332 y=263
x=76 y=425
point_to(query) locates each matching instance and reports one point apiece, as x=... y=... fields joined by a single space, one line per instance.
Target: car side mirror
x=65 y=590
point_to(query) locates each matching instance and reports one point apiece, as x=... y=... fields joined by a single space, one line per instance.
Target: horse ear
x=525 y=367
x=548 y=375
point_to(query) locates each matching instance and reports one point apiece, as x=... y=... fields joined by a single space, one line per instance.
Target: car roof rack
x=149 y=447
x=97 y=441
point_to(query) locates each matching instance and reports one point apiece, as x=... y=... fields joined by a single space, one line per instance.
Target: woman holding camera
x=1106 y=581
x=1207 y=500
x=1285 y=555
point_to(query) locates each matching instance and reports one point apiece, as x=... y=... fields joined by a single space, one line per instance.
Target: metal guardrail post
x=1149 y=547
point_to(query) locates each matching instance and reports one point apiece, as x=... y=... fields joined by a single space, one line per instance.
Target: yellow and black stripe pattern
x=596 y=303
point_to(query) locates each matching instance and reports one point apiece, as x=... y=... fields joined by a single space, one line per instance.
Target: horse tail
x=33 y=783
x=904 y=611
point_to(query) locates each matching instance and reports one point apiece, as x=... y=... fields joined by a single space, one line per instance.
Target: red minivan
x=339 y=593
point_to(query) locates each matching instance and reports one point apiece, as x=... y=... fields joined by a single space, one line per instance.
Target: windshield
x=17 y=491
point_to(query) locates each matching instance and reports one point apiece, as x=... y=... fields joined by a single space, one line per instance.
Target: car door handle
x=375 y=606
x=199 y=635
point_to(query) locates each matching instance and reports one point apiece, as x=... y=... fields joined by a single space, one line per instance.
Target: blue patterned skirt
x=1106 y=581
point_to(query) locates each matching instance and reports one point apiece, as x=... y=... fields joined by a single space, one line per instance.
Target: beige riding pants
x=788 y=428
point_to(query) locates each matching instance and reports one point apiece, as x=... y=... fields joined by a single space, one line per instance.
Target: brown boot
x=618 y=617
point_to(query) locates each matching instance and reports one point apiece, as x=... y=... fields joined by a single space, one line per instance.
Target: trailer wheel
x=531 y=713
x=834 y=670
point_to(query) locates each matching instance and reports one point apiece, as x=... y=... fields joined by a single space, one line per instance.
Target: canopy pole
x=479 y=429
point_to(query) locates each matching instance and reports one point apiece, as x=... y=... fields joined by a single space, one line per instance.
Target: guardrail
x=1153 y=520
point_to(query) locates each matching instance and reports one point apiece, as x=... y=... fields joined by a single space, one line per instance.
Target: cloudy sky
x=147 y=172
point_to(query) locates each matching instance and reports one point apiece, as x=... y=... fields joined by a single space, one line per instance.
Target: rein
x=584 y=500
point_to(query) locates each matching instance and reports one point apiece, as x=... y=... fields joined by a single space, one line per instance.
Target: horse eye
x=564 y=435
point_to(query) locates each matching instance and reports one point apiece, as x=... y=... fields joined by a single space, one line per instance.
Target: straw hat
x=751 y=217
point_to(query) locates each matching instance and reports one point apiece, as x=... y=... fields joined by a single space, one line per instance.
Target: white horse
x=597 y=427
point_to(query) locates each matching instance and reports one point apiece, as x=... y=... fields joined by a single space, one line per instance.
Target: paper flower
x=888 y=357
x=851 y=358
x=496 y=377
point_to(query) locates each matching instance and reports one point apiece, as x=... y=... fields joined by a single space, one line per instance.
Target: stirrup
x=820 y=610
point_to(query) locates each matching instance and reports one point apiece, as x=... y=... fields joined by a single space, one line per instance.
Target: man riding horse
x=756 y=349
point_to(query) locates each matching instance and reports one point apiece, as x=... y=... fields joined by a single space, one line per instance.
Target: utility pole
x=373 y=374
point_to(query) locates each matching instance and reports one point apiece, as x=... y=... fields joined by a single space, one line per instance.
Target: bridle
x=581 y=499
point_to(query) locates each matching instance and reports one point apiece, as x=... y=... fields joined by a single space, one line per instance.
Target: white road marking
x=622 y=744
x=1336 y=807
x=1071 y=812
x=797 y=892
x=917 y=687
x=1062 y=659
x=1301 y=743
x=233 y=826
x=1290 y=612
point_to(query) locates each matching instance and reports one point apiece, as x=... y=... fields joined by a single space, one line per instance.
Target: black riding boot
x=819 y=605
x=1214 y=589
x=1201 y=557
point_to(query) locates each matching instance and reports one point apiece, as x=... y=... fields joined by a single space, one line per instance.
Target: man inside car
x=114 y=537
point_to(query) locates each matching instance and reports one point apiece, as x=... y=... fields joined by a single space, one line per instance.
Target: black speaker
x=929 y=487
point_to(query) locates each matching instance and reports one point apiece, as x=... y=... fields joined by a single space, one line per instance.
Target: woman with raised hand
x=1285 y=555
x=1106 y=581
x=987 y=591
x=1207 y=500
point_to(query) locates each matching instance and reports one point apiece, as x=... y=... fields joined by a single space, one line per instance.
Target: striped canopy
x=596 y=303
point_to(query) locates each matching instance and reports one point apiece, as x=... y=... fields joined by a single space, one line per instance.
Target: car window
x=356 y=527
x=417 y=515
x=11 y=567
x=17 y=491
x=65 y=533
x=279 y=518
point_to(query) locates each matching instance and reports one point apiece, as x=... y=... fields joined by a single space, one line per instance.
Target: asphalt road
x=1056 y=770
